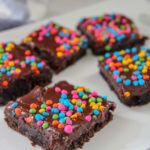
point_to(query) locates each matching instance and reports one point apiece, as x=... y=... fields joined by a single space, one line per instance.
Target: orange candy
x=33 y=106
x=29 y=120
x=55 y=122
x=61 y=126
x=55 y=105
x=5 y=83
x=49 y=102
x=18 y=111
x=27 y=52
x=146 y=77
x=79 y=114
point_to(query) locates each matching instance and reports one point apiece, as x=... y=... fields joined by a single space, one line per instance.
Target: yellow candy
x=83 y=106
x=122 y=52
x=148 y=63
x=111 y=64
x=11 y=45
x=135 y=67
x=0 y=66
x=29 y=39
x=18 y=70
x=131 y=66
x=73 y=101
x=95 y=107
x=71 y=51
x=99 y=104
x=74 y=116
x=144 y=70
x=127 y=94
x=79 y=90
x=148 y=58
x=129 y=60
x=59 y=54
x=142 y=54
x=41 y=110
x=112 y=40
x=8 y=48
x=101 y=108
x=92 y=104
x=125 y=62
x=11 y=63
x=89 y=27
x=1 y=46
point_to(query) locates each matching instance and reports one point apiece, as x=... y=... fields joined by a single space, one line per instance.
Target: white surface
x=130 y=129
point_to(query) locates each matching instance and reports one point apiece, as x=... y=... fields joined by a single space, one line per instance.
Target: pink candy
x=115 y=76
x=68 y=129
x=62 y=107
x=39 y=123
x=48 y=108
x=68 y=113
x=64 y=92
x=57 y=89
x=69 y=122
x=88 y=118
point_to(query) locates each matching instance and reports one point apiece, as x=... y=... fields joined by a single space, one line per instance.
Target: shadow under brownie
x=58 y=45
x=128 y=72
x=61 y=117
x=110 y=32
x=20 y=71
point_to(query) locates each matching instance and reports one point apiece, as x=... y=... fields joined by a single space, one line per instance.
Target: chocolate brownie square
x=58 y=45
x=128 y=73
x=110 y=32
x=62 y=117
x=20 y=71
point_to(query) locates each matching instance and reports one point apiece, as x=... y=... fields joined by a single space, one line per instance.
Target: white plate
x=130 y=129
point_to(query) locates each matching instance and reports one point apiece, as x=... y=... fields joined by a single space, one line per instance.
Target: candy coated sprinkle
x=88 y=118
x=45 y=125
x=18 y=111
x=68 y=129
x=14 y=105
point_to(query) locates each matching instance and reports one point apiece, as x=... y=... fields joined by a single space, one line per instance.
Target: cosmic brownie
x=58 y=45
x=110 y=32
x=20 y=71
x=62 y=117
x=128 y=73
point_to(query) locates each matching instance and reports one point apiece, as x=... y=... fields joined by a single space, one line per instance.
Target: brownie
x=61 y=117
x=20 y=71
x=110 y=32
x=128 y=72
x=58 y=45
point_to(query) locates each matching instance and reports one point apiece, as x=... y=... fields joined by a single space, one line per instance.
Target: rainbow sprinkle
x=12 y=65
x=130 y=67
x=110 y=29
x=66 y=111
x=67 y=41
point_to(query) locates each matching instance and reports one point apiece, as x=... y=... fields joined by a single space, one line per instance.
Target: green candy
x=1 y=61
x=99 y=99
x=57 y=26
x=66 y=118
x=107 y=48
x=122 y=27
x=8 y=68
x=85 y=96
x=81 y=40
x=94 y=116
x=101 y=58
x=78 y=103
x=138 y=63
x=126 y=70
x=76 y=87
x=32 y=111
x=1 y=50
x=117 y=20
x=142 y=59
x=45 y=125
x=22 y=62
x=87 y=90
x=33 y=64
x=92 y=99
x=55 y=116
x=43 y=106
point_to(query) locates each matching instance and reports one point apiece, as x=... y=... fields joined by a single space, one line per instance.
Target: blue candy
x=14 y=105
x=38 y=117
x=118 y=80
x=62 y=120
x=135 y=83
x=61 y=115
x=141 y=82
x=95 y=112
x=127 y=82
x=79 y=109
x=46 y=114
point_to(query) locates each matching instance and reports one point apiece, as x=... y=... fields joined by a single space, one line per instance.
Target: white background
x=130 y=129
